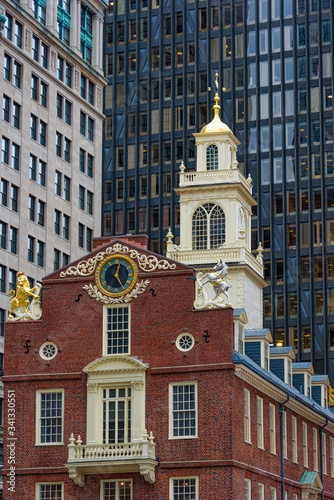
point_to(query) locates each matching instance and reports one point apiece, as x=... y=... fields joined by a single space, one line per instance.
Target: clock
x=116 y=275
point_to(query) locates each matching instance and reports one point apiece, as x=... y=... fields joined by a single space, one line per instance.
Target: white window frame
x=260 y=435
x=288 y=371
x=324 y=454
x=315 y=450
x=247 y=417
x=261 y=491
x=331 y=445
x=248 y=489
x=171 y=485
x=294 y=437
x=114 y=372
x=305 y=445
x=105 y=330
x=272 y=428
x=171 y=411
x=295 y=496
x=117 y=481
x=39 y=392
x=273 y=493
x=38 y=489
x=285 y=437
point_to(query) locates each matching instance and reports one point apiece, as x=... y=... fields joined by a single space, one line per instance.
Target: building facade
x=51 y=127
x=51 y=135
x=274 y=59
x=129 y=391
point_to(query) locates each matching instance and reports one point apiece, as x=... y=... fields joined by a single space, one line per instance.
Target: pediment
x=146 y=261
x=311 y=479
x=115 y=364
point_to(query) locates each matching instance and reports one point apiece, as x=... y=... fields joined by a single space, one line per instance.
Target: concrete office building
x=274 y=59
x=51 y=134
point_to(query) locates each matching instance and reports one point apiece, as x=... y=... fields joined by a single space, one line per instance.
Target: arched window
x=212 y=157
x=208 y=227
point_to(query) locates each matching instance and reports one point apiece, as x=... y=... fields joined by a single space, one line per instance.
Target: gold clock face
x=116 y=275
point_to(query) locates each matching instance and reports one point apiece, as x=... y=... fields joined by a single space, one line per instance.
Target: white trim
x=272 y=428
x=279 y=395
x=324 y=454
x=247 y=417
x=177 y=342
x=294 y=439
x=170 y=407
x=38 y=491
x=176 y=478
x=102 y=481
x=261 y=491
x=285 y=436
x=114 y=372
x=273 y=493
x=315 y=450
x=38 y=416
x=331 y=446
x=260 y=433
x=248 y=489
x=305 y=444
x=106 y=307
x=42 y=355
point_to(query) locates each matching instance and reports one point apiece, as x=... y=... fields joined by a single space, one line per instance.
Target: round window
x=185 y=342
x=48 y=351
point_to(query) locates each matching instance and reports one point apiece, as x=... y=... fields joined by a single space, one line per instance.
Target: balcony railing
x=138 y=456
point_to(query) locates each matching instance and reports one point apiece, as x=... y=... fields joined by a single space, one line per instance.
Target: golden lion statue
x=22 y=293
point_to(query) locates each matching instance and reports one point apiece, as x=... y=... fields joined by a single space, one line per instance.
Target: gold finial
x=216 y=106
x=260 y=250
x=170 y=237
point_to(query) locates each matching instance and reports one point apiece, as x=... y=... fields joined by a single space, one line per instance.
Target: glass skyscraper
x=275 y=61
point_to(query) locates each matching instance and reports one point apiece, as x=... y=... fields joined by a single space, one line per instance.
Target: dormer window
x=212 y=157
x=208 y=227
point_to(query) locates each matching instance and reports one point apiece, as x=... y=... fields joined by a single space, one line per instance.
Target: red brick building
x=123 y=391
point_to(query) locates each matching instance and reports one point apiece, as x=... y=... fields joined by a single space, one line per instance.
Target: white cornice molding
x=267 y=388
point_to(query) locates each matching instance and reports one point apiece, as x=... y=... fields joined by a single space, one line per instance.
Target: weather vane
x=216 y=82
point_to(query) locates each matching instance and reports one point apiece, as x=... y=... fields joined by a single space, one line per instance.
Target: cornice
x=267 y=388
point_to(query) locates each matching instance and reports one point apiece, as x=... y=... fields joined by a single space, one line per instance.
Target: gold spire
x=216 y=125
x=216 y=107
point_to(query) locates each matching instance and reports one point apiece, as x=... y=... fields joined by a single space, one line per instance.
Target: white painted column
x=96 y=37
x=74 y=25
x=78 y=25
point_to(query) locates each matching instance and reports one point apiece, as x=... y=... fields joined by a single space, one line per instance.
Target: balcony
x=230 y=176
x=138 y=456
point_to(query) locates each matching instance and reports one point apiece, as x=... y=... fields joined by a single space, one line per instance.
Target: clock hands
x=117 y=277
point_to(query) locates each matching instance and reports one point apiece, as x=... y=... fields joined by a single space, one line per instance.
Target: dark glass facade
x=275 y=61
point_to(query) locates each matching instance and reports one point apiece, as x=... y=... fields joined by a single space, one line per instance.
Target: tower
x=215 y=216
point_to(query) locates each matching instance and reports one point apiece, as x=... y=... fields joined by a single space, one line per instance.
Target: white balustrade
x=122 y=451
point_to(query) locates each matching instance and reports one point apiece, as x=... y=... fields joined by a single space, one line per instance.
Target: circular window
x=185 y=342
x=48 y=351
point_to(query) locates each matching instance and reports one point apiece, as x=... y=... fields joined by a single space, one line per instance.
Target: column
x=96 y=40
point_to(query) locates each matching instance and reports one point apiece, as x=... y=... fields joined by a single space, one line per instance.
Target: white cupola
x=215 y=209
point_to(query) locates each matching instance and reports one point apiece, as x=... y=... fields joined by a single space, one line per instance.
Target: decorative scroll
x=94 y=292
x=147 y=263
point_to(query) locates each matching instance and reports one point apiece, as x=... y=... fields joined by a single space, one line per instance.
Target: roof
x=277 y=382
x=238 y=312
x=302 y=366
x=260 y=332
x=319 y=378
x=281 y=350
